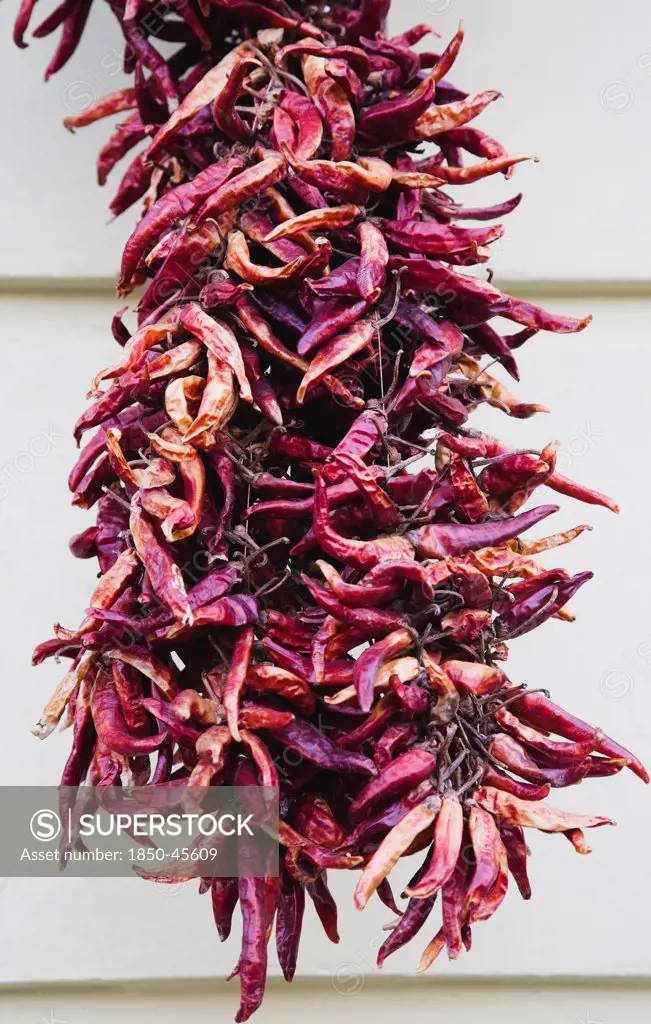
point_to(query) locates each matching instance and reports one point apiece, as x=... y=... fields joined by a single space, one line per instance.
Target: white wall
x=586 y=217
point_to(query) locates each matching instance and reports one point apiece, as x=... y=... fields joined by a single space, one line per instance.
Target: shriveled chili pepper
x=332 y=318
x=334 y=353
x=401 y=775
x=371 y=619
x=361 y=553
x=83 y=743
x=316 y=748
x=356 y=595
x=330 y=218
x=411 y=922
x=289 y=922
x=524 y=790
x=110 y=725
x=514 y=756
x=171 y=207
x=267 y=340
x=204 y=92
x=325 y=906
x=439 y=541
x=301 y=508
x=220 y=340
x=224 y=898
x=309 y=126
x=516 y=853
x=377 y=500
x=511 y=811
x=539 y=711
x=238 y=189
x=236 y=610
x=392 y=847
x=409 y=108
x=236 y=679
x=368 y=663
x=561 y=752
x=252 y=964
x=163 y=571
x=448 y=836
x=532 y=611
x=331 y=101
x=474 y=677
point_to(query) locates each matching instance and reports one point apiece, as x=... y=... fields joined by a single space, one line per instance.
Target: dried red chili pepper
x=395 y=844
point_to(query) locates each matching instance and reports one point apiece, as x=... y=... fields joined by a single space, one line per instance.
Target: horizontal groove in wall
x=105 y=287
x=316 y=982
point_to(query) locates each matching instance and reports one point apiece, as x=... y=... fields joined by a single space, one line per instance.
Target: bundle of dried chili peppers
x=311 y=564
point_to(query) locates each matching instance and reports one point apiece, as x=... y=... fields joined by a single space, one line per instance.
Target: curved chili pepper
x=523 y=790
x=438 y=541
x=83 y=744
x=448 y=836
x=392 y=847
x=357 y=595
x=539 y=711
x=224 y=896
x=368 y=663
x=511 y=811
x=325 y=906
x=377 y=500
x=162 y=570
x=308 y=742
x=289 y=922
x=562 y=753
x=404 y=112
x=171 y=207
x=513 y=756
x=308 y=123
x=365 y=618
x=365 y=554
x=236 y=679
x=531 y=611
x=411 y=922
x=220 y=340
x=252 y=965
x=402 y=774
